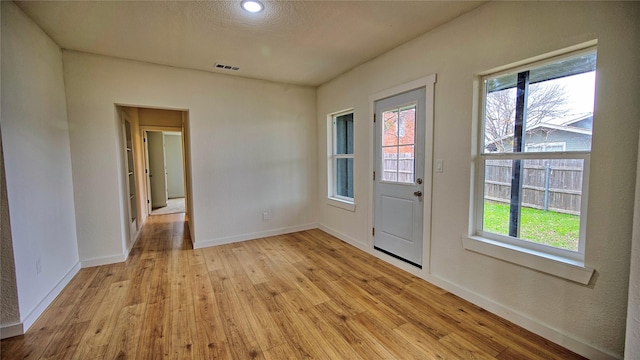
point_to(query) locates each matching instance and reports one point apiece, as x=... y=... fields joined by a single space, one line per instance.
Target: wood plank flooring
x=296 y=296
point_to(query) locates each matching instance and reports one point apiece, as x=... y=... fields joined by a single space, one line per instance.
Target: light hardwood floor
x=296 y=296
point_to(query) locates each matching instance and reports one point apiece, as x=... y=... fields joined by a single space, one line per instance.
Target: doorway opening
x=165 y=175
x=159 y=137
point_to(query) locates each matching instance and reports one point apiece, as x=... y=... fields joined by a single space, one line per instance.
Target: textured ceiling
x=297 y=42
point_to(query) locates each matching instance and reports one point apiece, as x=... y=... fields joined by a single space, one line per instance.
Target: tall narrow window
x=341 y=182
x=534 y=154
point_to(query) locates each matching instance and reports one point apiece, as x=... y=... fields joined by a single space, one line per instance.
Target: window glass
x=559 y=107
x=344 y=181
x=550 y=201
x=398 y=150
x=344 y=134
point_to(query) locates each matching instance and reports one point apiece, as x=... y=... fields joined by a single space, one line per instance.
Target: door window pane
x=390 y=163
x=406 y=126
x=390 y=133
x=406 y=163
x=398 y=139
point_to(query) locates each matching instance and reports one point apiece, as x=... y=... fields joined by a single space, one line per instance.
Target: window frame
x=333 y=198
x=553 y=260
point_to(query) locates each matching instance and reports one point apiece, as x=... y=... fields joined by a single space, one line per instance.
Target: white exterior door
x=399 y=175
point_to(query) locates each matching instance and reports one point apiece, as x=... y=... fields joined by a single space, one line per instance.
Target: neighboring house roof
x=559 y=124
x=568 y=125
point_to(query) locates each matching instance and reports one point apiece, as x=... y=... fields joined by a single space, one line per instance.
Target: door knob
x=418 y=193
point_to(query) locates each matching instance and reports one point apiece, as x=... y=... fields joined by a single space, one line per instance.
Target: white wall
x=175 y=169
x=632 y=348
x=252 y=149
x=35 y=139
x=588 y=319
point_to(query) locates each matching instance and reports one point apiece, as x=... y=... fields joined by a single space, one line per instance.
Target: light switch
x=439 y=165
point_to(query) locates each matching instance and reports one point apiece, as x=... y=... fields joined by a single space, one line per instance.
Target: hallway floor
x=174 y=206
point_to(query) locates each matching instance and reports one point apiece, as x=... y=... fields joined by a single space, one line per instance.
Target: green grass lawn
x=544 y=227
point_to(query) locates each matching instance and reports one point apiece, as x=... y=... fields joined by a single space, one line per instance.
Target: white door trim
x=428 y=82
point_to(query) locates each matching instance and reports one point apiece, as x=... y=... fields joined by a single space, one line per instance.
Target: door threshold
x=398 y=257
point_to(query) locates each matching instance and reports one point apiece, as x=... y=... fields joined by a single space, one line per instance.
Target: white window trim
x=334 y=199
x=541 y=261
x=342 y=204
x=558 y=262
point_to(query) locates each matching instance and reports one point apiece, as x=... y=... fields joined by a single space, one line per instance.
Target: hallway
x=301 y=295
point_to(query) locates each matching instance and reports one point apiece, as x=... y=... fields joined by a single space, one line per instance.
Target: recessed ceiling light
x=252 y=6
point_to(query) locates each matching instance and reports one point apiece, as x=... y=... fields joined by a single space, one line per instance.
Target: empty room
x=320 y=179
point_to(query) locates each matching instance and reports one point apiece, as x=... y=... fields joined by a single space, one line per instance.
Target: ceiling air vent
x=227 y=67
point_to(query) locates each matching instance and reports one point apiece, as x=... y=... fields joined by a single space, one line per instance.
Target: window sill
x=554 y=265
x=342 y=204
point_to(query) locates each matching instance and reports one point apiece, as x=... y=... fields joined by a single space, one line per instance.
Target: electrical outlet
x=265 y=215
x=38 y=266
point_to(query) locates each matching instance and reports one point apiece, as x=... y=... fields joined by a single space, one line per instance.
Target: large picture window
x=341 y=178
x=533 y=162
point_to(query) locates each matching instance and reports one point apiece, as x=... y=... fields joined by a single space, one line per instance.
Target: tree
x=546 y=100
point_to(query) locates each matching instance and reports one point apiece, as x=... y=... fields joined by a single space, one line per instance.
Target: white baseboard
x=11 y=330
x=523 y=320
x=22 y=327
x=252 y=236
x=135 y=240
x=515 y=317
x=104 y=260
x=113 y=259
x=346 y=238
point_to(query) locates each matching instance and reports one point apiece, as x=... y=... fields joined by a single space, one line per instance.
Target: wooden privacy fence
x=398 y=169
x=551 y=184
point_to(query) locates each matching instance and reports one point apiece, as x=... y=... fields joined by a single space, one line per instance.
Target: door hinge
x=148 y=201
x=374 y=117
x=145 y=139
x=374 y=176
x=373 y=231
x=146 y=171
